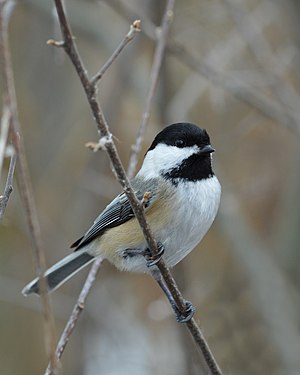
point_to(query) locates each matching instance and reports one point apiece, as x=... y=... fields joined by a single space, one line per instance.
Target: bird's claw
x=187 y=315
x=152 y=260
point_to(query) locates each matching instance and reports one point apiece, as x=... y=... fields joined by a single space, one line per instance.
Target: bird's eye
x=179 y=143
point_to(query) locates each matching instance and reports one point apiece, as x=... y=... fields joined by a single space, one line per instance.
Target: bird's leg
x=152 y=260
x=181 y=317
x=130 y=253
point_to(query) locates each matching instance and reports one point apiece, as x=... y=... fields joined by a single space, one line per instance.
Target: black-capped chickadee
x=183 y=196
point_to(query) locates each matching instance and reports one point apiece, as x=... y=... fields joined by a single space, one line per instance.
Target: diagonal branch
x=79 y=306
x=107 y=143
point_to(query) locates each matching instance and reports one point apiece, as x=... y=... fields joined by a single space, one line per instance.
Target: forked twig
x=79 y=306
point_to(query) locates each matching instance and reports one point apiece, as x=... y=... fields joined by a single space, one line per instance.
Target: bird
x=182 y=199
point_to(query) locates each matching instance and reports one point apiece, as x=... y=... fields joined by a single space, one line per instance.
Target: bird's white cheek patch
x=163 y=158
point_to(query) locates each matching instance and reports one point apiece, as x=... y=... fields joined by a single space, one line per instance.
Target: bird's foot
x=184 y=317
x=152 y=260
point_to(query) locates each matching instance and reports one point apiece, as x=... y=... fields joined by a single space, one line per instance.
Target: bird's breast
x=194 y=212
x=179 y=217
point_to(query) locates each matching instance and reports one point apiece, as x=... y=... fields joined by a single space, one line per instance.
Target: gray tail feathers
x=60 y=272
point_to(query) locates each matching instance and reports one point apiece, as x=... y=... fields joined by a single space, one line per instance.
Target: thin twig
x=9 y=185
x=6 y=7
x=135 y=27
x=77 y=310
x=5 y=125
x=107 y=143
x=4 y=130
x=156 y=66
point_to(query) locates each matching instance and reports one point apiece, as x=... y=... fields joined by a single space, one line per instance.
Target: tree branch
x=6 y=8
x=134 y=28
x=107 y=143
x=77 y=310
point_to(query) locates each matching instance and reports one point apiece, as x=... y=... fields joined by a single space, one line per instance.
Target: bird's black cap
x=182 y=134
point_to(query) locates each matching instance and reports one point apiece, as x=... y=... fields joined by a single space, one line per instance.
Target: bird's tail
x=60 y=272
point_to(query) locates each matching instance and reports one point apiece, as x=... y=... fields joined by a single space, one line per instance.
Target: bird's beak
x=208 y=149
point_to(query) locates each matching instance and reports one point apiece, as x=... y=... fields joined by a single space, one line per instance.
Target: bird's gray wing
x=117 y=212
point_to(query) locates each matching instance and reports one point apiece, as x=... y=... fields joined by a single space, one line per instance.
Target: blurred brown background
x=233 y=68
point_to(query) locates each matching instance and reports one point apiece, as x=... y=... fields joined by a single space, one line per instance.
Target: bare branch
x=135 y=28
x=77 y=310
x=6 y=7
x=137 y=206
x=157 y=62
